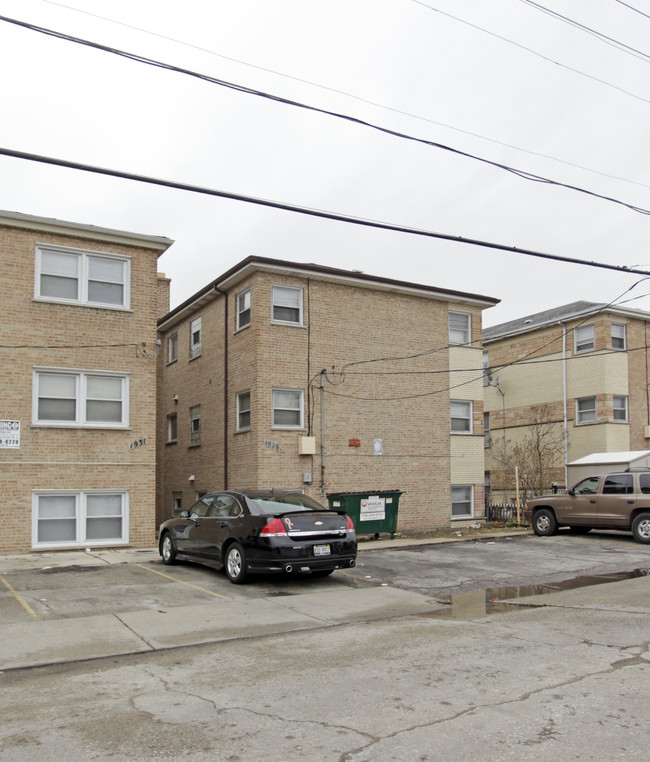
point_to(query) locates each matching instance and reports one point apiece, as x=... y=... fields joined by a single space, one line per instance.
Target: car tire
x=167 y=549
x=579 y=530
x=234 y=563
x=321 y=572
x=544 y=523
x=641 y=528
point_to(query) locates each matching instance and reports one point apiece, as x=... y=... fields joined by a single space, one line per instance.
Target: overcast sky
x=501 y=80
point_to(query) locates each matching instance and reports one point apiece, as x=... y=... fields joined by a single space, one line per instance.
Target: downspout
x=225 y=386
x=566 y=417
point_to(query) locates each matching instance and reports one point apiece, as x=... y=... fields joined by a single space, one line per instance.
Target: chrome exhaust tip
x=352 y=563
x=288 y=568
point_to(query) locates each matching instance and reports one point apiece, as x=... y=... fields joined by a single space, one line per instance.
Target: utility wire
x=310 y=212
x=534 y=52
x=359 y=98
x=593 y=32
x=632 y=8
x=288 y=102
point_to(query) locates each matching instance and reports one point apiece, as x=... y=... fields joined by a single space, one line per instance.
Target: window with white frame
x=460 y=327
x=177 y=503
x=619 y=339
x=172 y=427
x=243 y=411
x=584 y=338
x=487 y=441
x=287 y=304
x=79 y=517
x=486 y=368
x=461 y=416
x=172 y=348
x=287 y=408
x=195 y=425
x=82 y=277
x=244 y=308
x=462 y=501
x=620 y=408
x=195 y=337
x=80 y=398
x=586 y=410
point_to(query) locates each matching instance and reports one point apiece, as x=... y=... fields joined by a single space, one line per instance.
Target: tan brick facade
x=538 y=368
x=369 y=361
x=76 y=483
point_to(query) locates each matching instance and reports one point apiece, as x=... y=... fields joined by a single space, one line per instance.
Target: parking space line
x=189 y=584
x=20 y=599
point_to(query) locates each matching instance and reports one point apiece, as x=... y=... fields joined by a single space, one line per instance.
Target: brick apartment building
x=574 y=378
x=78 y=410
x=301 y=376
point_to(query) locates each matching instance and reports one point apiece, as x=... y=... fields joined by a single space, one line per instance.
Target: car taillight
x=274 y=528
x=349 y=524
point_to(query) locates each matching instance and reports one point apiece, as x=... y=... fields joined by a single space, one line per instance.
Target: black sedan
x=260 y=531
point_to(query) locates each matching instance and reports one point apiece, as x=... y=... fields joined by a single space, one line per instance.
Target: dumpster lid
x=368 y=493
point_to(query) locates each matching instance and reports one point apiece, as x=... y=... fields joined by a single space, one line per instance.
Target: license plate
x=322 y=550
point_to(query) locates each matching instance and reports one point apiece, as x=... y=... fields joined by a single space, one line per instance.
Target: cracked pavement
x=560 y=676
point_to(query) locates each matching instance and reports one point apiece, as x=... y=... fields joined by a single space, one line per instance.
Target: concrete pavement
x=38 y=642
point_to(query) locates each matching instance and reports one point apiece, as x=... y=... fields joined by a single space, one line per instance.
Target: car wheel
x=167 y=549
x=579 y=530
x=544 y=523
x=322 y=572
x=641 y=528
x=235 y=564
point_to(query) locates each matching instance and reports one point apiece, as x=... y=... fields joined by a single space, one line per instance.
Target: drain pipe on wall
x=225 y=385
x=322 y=431
x=566 y=417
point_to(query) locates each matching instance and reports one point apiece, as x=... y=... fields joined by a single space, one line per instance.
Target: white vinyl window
x=586 y=410
x=585 y=338
x=177 y=503
x=82 y=277
x=172 y=348
x=460 y=327
x=487 y=439
x=243 y=411
x=195 y=337
x=79 y=398
x=619 y=339
x=287 y=304
x=287 y=408
x=195 y=425
x=88 y=517
x=172 y=427
x=462 y=501
x=243 y=308
x=620 y=408
x=461 y=416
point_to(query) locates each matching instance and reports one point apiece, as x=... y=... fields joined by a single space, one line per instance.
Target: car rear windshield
x=281 y=503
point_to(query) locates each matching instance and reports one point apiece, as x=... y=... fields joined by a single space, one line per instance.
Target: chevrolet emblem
x=319 y=523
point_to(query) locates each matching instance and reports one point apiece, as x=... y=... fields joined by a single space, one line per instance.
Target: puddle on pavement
x=478 y=603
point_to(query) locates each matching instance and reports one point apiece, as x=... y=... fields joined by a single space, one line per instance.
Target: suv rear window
x=619 y=484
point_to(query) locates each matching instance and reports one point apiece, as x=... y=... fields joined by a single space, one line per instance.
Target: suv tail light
x=349 y=524
x=275 y=528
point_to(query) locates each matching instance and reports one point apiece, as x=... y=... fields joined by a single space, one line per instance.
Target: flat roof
x=352 y=277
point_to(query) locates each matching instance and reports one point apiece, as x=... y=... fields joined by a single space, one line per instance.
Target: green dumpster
x=373 y=512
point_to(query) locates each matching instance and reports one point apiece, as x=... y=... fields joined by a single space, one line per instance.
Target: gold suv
x=616 y=501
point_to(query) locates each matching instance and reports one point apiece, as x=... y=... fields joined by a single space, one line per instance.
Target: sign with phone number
x=10 y=434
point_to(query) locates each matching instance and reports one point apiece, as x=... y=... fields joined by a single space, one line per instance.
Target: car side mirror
x=185 y=514
x=571 y=491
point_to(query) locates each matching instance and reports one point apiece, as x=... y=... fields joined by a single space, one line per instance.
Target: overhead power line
x=632 y=8
x=288 y=102
x=310 y=212
x=345 y=93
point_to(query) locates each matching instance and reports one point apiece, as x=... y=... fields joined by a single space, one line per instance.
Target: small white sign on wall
x=10 y=434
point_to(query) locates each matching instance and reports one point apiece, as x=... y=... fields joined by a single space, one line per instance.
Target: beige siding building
x=560 y=385
x=301 y=376
x=78 y=410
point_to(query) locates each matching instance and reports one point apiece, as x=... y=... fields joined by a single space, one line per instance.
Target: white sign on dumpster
x=373 y=508
x=10 y=434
